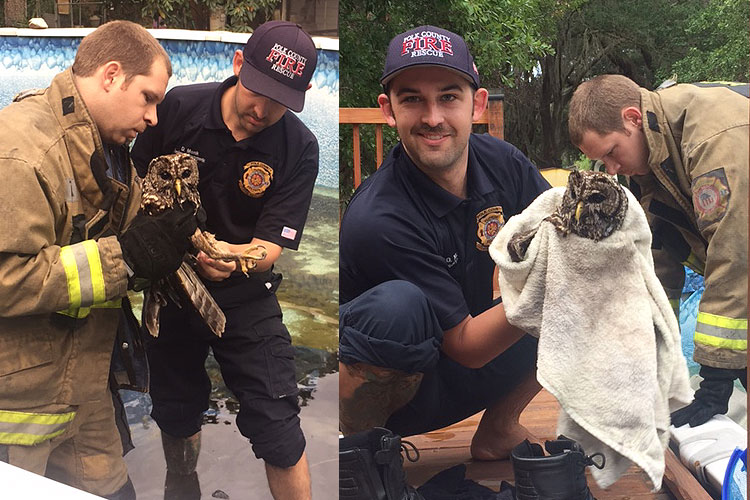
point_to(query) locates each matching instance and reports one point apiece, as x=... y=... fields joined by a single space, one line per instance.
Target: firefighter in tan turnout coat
x=686 y=149
x=68 y=250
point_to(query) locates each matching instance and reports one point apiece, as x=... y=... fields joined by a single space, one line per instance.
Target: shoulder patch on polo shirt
x=256 y=179
x=489 y=222
x=288 y=233
x=710 y=197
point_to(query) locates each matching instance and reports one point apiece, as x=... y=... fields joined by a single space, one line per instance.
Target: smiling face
x=432 y=109
x=622 y=152
x=130 y=106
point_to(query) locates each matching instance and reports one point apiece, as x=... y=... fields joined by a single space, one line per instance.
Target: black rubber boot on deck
x=371 y=467
x=559 y=476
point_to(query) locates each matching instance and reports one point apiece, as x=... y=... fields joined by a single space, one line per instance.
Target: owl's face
x=171 y=180
x=593 y=206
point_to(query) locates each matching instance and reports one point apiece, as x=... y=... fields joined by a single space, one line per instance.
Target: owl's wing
x=153 y=300
x=201 y=299
x=519 y=243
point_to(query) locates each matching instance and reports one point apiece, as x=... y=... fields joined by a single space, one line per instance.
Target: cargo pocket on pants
x=283 y=373
x=279 y=354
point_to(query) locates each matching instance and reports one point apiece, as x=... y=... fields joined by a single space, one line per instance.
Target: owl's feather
x=172 y=180
x=593 y=206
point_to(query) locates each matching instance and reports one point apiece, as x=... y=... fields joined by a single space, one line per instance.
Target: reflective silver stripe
x=84 y=274
x=720 y=332
x=31 y=428
x=28 y=428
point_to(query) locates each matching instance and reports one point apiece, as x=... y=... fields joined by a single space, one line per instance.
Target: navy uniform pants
x=393 y=325
x=256 y=358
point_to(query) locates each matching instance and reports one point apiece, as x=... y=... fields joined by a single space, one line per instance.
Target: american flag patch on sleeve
x=289 y=233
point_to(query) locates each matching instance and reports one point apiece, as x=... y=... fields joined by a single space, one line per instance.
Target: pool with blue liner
x=32 y=61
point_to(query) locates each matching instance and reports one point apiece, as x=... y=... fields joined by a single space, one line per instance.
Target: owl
x=172 y=180
x=593 y=206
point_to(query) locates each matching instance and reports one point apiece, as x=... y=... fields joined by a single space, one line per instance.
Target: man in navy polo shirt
x=258 y=163
x=421 y=344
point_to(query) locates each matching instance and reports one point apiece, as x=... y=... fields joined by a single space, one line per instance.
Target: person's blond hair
x=596 y=105
x=123 y=41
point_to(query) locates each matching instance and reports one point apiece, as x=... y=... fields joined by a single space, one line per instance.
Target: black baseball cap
x=279 y=60
x=431 y=46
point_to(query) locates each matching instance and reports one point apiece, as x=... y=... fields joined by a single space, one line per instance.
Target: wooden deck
x=442 y=449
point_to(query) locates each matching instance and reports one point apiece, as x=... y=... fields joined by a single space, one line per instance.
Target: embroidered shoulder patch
x=256 y=179
x=489 y=222
x=710 y=197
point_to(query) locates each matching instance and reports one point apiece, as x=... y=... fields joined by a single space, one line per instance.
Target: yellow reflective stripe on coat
x=23 y=428
x=82 y=312
x=720 y=331
x=694 y=263
x=84 y=276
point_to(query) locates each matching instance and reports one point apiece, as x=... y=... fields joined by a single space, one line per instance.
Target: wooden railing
x=492 y=117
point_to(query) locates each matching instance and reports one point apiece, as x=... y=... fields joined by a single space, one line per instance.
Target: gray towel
x=609 y=343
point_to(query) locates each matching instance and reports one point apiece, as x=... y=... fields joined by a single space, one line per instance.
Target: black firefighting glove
x=154 y=245
x=202 y=218
x=712 y=398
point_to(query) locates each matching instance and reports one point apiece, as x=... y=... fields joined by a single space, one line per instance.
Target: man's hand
x=154 y=245
x=712 y=398
x=216 y=270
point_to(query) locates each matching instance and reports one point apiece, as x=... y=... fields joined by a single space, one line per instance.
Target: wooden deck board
x=447 y=447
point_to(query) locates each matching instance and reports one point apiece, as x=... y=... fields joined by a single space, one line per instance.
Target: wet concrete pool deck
x=227 y=463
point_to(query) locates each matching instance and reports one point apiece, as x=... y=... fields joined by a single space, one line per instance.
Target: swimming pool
x=31 y=58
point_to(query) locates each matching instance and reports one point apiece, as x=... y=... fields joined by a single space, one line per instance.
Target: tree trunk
x=15 y=13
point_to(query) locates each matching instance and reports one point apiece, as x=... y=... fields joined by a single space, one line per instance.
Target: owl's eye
x=595 y=198
x=165 y=175
x=185 y=174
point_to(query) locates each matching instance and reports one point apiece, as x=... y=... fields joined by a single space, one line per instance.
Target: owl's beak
x=178 y=186
x=578 y=210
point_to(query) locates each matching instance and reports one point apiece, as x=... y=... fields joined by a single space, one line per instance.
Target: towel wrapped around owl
x=609 y=342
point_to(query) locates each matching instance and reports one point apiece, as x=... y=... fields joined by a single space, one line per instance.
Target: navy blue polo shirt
x=401 y=225
x=258 y=187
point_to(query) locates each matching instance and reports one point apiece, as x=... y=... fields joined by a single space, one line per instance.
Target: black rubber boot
x=182 y=487
x=371 y=467
x=127 y=492
x=559 y=476
x=181 y=455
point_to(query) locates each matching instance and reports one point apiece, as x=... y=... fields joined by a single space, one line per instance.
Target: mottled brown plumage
x=593 y=206
x=172 y=180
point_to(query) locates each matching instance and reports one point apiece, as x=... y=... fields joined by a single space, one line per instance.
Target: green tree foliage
x=242 y=15
x=722 y=43
x=600 y=36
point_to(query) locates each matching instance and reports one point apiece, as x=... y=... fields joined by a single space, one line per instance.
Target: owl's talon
x=249 y=252
x=247 y=260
